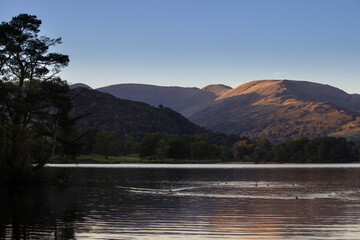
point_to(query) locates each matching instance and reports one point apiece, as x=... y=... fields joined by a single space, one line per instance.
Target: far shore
x=206 y=165
x=135 y=160
x=98 y=159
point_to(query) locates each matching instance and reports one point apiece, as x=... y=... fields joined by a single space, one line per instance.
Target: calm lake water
x=191 y=202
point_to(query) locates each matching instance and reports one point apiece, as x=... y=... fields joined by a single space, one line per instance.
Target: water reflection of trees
x=33 y=214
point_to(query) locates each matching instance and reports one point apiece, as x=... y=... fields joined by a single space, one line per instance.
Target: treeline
x=216 y=146
x=153 y=146
x=298 y=150
x=160 y=146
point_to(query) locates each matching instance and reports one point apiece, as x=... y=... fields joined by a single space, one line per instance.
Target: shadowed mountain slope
x=125 y=117
x=187 y=101
x=282 y=109
x=79 y=85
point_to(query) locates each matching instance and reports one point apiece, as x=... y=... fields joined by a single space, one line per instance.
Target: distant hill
x=217 y=89
x=283 y=109
x=125 y=117
x=302 y=90
x=187 y=101
x=79 y=85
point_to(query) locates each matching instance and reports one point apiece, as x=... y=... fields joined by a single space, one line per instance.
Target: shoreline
x=204 y=165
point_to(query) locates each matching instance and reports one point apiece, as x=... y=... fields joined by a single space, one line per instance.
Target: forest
x=221 y=147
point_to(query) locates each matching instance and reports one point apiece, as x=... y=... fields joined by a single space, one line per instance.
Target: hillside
x=79 y=85
x=125 y=117
x=282 y=109
x=217 y=89
x=186 y=101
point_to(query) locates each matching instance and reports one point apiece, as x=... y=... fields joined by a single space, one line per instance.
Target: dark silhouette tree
x=131 y=146
x=87 y=139
x=202 y=150
x=33 y=102
x=150 y=143
x=180 y=146
x=107 y=144
x=242 y=149
x=162 y=149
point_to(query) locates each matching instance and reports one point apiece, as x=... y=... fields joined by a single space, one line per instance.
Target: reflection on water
x=141 y=203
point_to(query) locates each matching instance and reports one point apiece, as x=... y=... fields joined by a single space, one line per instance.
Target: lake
x=213 y=201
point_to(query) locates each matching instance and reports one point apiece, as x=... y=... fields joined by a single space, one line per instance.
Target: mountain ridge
x=281 y=109
x=184 y=100
x=274 y=109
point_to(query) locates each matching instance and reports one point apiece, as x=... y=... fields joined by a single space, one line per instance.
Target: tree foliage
x=160 y=146
x=87 y=140
x=202 y=150
x=150 y=143
x=299 y=150
x=34 y=107
x=107 y=144
x=329 y=149
x=185 y=147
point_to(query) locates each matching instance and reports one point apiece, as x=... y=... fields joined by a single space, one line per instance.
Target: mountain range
x=273 y=109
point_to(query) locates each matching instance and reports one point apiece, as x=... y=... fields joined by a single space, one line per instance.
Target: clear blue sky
x=199 y=42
